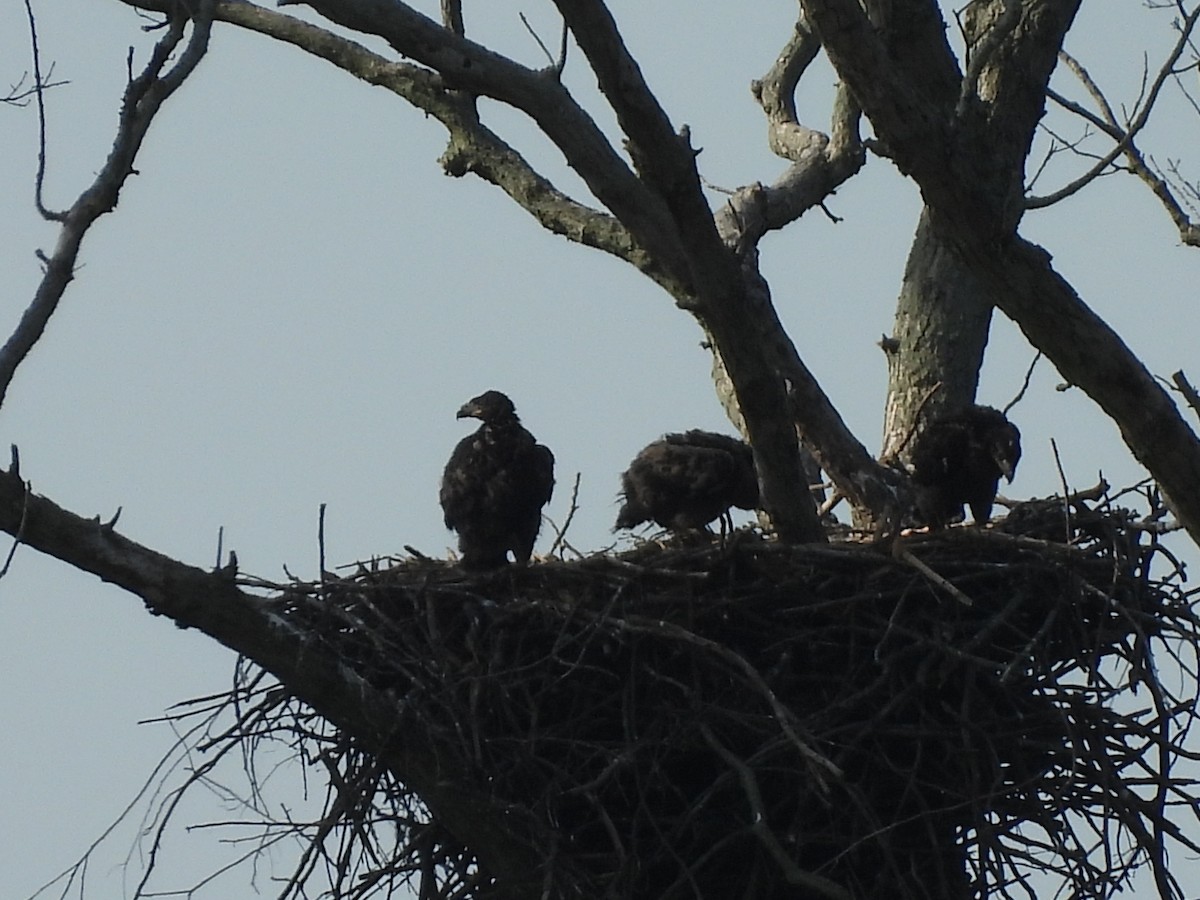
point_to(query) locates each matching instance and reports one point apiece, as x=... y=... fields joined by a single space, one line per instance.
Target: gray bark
x=935 y=351
x=963 y=136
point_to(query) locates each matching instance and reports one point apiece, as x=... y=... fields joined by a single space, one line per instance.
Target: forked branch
x=1125 y=134
x=144 y=97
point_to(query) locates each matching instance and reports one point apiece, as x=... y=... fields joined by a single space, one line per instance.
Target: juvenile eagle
x=684 y=481
x=495 y=485
x=959 y=459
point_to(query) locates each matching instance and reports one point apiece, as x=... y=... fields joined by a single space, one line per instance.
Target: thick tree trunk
x=937 y=344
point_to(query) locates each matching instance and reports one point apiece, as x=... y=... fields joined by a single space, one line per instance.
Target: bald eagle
x=684 y=481
x=958 y=459
x=495 y=485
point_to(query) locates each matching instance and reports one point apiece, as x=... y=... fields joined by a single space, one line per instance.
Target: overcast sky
x=292 y=300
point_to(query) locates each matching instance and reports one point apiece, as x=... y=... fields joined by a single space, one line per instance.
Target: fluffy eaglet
x=958 y=459
x=684 y=481
x=495 y=485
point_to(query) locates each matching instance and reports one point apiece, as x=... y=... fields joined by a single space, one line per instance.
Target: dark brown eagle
x=684 y=481
x=495 y=485
x=958 y=459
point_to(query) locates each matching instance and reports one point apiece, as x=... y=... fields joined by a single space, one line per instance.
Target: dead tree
x=782 y=716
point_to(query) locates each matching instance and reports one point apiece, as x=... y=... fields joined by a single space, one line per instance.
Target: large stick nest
x=744 y=719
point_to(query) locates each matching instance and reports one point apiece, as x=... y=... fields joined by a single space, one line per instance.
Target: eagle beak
x=466 y=411
x=1007 y=469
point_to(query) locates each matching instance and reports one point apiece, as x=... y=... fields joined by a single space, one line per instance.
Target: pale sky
x=292 y=300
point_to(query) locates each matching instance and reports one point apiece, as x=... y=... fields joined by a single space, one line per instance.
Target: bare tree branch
x=740 y=305
x=664 y=158
x=964 y=159
x=144 y=96
x=468 y=66
x=473 y=148
x=736 y=313
x=1189 y=392
x=256 y=627
x=24 y=87
x=820 y=162
x=1090 y=355
x=775 y=92
x=39 y=182
x=1124 y=135
x=671 y=231
x=916 y=128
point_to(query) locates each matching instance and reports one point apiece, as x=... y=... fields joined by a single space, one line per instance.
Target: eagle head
x=490 y=407
x=1005 y=445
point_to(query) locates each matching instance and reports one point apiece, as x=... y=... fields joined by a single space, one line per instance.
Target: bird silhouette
x=684 y=481
x=495 y=484
x=959 y=459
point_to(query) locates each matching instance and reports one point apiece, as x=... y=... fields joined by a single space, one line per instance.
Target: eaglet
x=495 y=485
x=958 y=459
x=684 y=481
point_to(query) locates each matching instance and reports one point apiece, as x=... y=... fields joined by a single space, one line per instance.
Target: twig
x=560 y=534
x=1066 y=491
x=1024 y=384
x=18 y=94
x=38 y=91
x=143 y=97
x=452 y=16
x=835 y=497
x=905 y=555
x=1124 y=136
x=19 y=536
x=321 y=542
x=816 y=884
x=1189 y=392
x=555 y=64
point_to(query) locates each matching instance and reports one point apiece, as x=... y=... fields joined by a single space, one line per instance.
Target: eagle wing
x=686 y=480
x=959 y=459
x=493 y=490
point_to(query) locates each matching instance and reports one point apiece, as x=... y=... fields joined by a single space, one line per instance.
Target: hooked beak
x=1006 y=468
